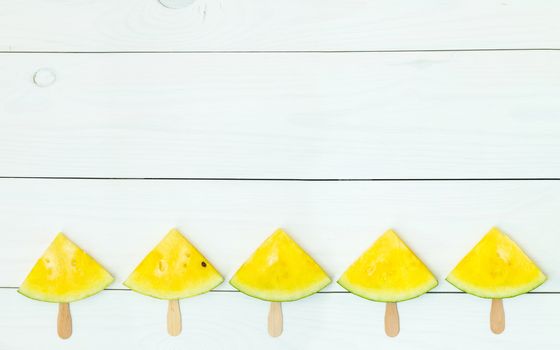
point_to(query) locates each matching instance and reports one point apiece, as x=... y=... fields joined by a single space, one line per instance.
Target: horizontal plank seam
x=275 y=51
x=321 y=292
x=6 y=177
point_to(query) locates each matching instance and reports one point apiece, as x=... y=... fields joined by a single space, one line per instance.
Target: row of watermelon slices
x=280 y=270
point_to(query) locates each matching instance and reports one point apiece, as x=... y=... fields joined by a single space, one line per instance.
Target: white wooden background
x=228 y=119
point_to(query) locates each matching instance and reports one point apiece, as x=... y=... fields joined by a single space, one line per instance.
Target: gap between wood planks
x=272 y=179
x=277 y=52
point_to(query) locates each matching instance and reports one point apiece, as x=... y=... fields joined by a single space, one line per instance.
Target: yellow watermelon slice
x=388 y=272
x=280 y=270
x=65 y=273
x=174 y=269
x=496 y=268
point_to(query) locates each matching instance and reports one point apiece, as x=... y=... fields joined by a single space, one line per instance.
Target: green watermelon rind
x=479 y=292
x=318 y=286
x=412 y=295
x=51 y=299
x=174 y=297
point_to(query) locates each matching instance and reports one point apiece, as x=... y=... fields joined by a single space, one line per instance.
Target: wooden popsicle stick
x=64 y=321
x=275 y=319
x=174 y=324
x=497 y=316
x=392 y=326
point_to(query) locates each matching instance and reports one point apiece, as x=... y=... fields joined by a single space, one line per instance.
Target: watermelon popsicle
x=388 y=272
x=279 y=271
x=496 y=268
x=174 y=270
x=65 y=274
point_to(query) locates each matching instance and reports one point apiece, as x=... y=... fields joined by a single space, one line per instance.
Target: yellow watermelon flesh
x=496 y=268
x=388 y=272
x=174 y=269
x=65 y=273
x=280 y=270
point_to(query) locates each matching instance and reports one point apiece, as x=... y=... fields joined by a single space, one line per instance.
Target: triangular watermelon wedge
x=388 y=272
x=65 y=273
x=174 y=269
x=496 y=268
x=280 y=270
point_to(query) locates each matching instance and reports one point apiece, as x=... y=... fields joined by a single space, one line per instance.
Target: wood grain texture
x=275 y=319
x=360 y=115
x=497 y=316
x=174 y=322
x=217 y=25
x=392 y=326
x=118 y=222
x=266 y=114
x=124 y=320
x=64 y=321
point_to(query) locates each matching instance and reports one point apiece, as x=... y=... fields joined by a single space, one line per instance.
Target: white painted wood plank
x=126 y=320
x=384 y=115
x=217 y=25
x=118 y=222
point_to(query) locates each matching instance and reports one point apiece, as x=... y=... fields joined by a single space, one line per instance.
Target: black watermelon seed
x=203 y=264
